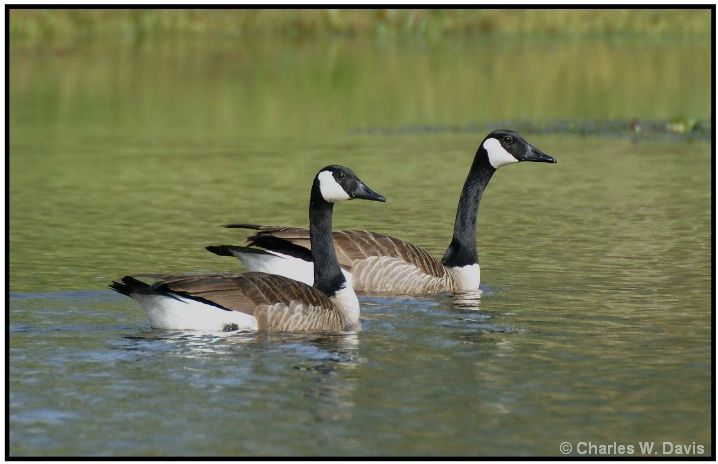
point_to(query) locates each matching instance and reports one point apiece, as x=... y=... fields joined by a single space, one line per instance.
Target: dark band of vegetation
x=43 y=24
x=679 y=129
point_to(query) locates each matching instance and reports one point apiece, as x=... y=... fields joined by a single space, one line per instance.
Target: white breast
x=466 y=278
x=345 y=300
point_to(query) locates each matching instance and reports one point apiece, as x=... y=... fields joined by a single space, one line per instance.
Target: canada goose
x=380 y=263
x=260 y=301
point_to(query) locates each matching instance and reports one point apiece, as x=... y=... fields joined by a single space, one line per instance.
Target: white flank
x=466 y=278
x=283 y=265
x=331 y=190
x=279 y=264
x=498 y=156
x=347 y=303
x=181 y=313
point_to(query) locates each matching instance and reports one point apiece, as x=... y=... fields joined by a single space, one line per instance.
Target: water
x=595 y=319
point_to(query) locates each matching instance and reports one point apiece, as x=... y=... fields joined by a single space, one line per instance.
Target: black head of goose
x=260 y=301
x=380 y=263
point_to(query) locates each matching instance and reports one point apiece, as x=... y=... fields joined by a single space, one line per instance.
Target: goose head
x=338 y=183
x=504 y=147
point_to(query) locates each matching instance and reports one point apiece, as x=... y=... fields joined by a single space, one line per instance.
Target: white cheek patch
x=331 y=190
x=498 y=156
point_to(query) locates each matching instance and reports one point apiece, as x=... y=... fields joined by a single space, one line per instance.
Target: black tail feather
x=242 y=226
x=129 y=285
x=226 y=250
x=221 y=250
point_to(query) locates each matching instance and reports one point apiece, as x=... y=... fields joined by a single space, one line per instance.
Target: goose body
x=381 y=263
x=373 y=262
x=257 y=301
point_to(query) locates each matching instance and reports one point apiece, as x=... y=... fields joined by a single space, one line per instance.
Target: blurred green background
x=164 y=123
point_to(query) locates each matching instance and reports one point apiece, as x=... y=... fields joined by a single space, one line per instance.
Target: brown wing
x=361 y=244
x=394 y=275
x=278 y=303
x=354 y=245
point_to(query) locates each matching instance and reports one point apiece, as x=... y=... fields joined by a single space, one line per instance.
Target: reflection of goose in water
x=467 y=300
x=310 y=349
x=380 y=263
x=321 y=364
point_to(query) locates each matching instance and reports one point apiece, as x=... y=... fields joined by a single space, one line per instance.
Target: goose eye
x=341 y=175
x=508 y=139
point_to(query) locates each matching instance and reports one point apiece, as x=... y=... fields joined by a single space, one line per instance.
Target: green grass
x=45 y=24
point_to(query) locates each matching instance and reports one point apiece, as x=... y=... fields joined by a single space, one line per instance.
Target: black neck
x=328 y=275
x=463 y=249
